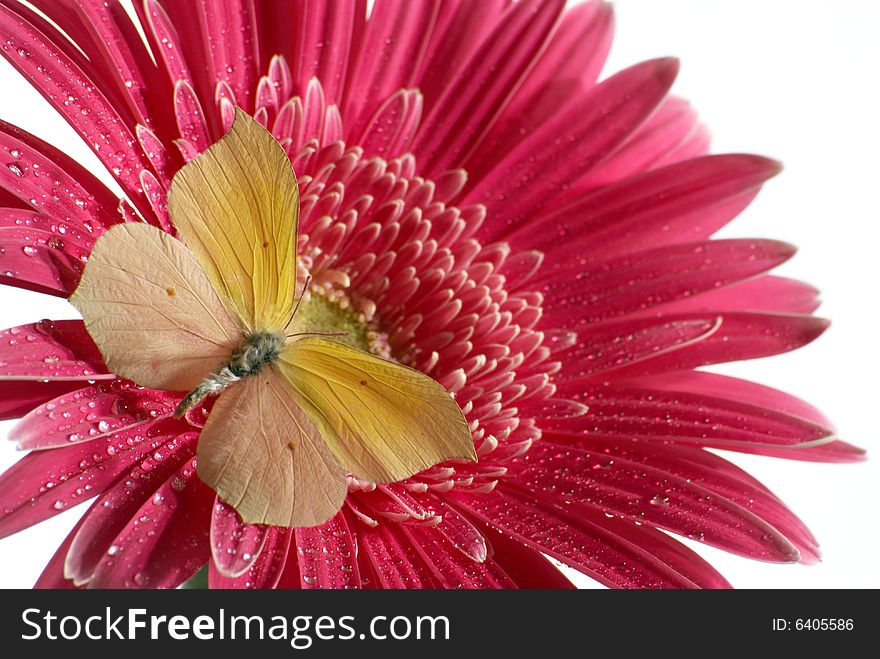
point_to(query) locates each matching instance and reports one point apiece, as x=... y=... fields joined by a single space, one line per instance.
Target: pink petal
x=685 y=418
x=50 y=351
x=644 y=493
x=158 y=154
x=165 y=40
x=91 y=413
x=324 y=44
x=451 y=568
x=45 y=483
x=39 y=253
x=191 y=122
x=576 y=139
x=484 y=85
x=733 y=389
x=166 y=541
x=525 y=566
x=670 y=551
x=326 y=555
x=267 y=570
x=636 y=283
x=395 y=561
x=615 y=345
x=31 y=170
x=664 y=133
x=389 y=56
x=752 y=394
x=231 y=41
x=643 y=346
x=567 y=68
x=684 y=202
x=461 y=29
x=52 y=577
x=20 y=397
x=706 y=470
x=119 y=51
x=741 y=336
x=586 y=547
x=76 y=98
x=463 y=535
x=117 y=507
x=86 y=54
x=235 y=546
x=768 y=293
x=391 y=129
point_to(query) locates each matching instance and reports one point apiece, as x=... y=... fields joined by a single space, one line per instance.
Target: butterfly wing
x=383 y=421
x=237 y=207
x=151 y=310
x=264 y=457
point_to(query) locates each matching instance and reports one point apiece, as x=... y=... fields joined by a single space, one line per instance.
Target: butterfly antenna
x=302 y=293
x=290 y=336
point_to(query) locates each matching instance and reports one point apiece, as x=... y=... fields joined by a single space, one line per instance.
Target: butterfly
x=212 y=312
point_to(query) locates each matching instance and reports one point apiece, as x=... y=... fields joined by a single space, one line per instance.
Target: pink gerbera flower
x=536 y=241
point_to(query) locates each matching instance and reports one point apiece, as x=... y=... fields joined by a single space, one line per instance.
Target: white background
x=793 y=80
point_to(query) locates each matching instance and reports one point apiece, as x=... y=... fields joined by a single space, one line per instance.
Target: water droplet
x=103 y=426
x=45 y=326
x=112 y=550
x=178 y=483
x=30 y=250
x=15 y=168
x=55 y=242
x=59 y=505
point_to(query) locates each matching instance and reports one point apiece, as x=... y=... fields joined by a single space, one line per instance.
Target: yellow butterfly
x=214 y=314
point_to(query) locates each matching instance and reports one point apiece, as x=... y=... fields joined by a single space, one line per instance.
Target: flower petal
x=532 y=175
x=117 y=508
x=567 y=68
x=614 y=345
x=644 y=346
x=166 y=541
x=588 y=548
x=91 y=413
x=50 y=351
x=393 y=557
x=45 y=483
x=267 y=569
x=326 y=555
x=20 y=397
x=39 y=253
x=78 y=199
x=77 y=99
x=461 y=29
x=655 y=143
x=525 y=566
x=235 y=546
x=231 y=41
x=644 y=493
x=686 y=201
x=474 y=98
x=767 y=293
x=684 y=418
x=389 y=57
x=638 y=282
x=712 y=472
x=451 y=568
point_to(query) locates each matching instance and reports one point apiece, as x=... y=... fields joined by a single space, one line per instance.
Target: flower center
x=332 y=311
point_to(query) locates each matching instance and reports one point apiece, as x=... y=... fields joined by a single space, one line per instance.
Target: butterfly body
x=257 y=350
